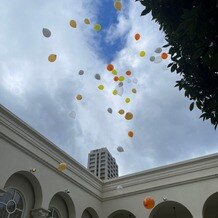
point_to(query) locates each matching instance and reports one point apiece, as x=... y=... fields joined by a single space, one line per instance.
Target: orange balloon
x=137 y=36
x=110 y=67
x=164 y=55
x=116 y=78
x=128 y=73
x=130 y=134
x=149 y=203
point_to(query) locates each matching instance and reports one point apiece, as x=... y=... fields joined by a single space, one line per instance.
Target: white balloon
x=157 y=60
x=72 y=114
x=165 y=67
x=158 y=50
x=119 y=90
x=135 y=81
x=120 y=149
x=46 y=32
x=120 y=188
x=128 y=80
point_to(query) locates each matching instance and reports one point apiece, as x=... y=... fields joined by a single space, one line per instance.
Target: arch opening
x=210 y=206
x=62 y=206
x=170 y=209
x=89 y=213
x=122 y=214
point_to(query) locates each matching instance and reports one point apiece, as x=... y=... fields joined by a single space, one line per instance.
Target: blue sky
x=43 y=93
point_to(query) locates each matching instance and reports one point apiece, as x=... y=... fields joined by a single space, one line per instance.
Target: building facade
x=32 y=186
x=102 y=164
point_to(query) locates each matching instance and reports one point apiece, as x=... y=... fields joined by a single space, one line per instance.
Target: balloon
x=127 y=100
x=109 y=110
x=128 y=116
x=46 y=32
x=73 y=23
x=62 y=167
x=72 y=114
x=79 y=97
x=165 y=67
x=97 y=76
x=120 y=84
x=128 y=80
x=121 y=78
x=142 y=54
x=116 y=78
x=118 y=5
x=152 y=58
x=52 y=57
x=86 y=21
x=97 y=27
x=101 y=87
x=135 y=81
x=120 y=149
x=115 y=92
x=121 y=111
x=137 y=36
x=120 y=188
x=148 y=203
x=119 y=90
x=158 y=50
x=114 y=72
x=130 y=134
x=110 y=67
x=81 y=72
x=157 y=60
x=134 y=91
x=128 y=73
x=164 y=55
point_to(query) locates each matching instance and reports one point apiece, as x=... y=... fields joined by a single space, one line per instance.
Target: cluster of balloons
x=159 y=56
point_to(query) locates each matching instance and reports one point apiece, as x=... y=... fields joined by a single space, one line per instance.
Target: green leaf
x=191 y=107
x=146 y=11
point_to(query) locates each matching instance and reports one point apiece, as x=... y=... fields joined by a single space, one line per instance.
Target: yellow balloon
x=97 y=27
x=101 y=87
x=52 y=57
x=129 y=116
x=79 y=97
x=134 y=91
x=114 y=72
x=127 y=100
x=73 y=23
x=118 y=5
x=115 y=92
x=86 y=21
x=121 y=111
x=62 y=167
x=142 y=53
x=121 y=78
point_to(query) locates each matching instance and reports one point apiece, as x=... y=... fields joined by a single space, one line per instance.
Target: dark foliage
x=191 y=29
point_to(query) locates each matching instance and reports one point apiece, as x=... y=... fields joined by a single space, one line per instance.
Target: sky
x=43 y=94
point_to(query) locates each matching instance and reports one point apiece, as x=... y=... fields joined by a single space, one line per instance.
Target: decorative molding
x=39 y=213
x=2 y=192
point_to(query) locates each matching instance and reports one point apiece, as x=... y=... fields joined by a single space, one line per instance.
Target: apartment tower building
x=102 y=164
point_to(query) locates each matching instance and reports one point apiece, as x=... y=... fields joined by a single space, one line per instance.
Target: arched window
x=11 y=204
x=54 y=213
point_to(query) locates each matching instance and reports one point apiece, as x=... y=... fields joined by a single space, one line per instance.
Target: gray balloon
x=158 y=50
x=120 y=84
x=81 y=72
x=46 y=32
x=120 y=149
x=110 y=110
x=97 y=76
x=152 y=58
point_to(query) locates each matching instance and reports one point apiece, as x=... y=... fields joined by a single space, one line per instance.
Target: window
x=11 y=204
x=54 y=213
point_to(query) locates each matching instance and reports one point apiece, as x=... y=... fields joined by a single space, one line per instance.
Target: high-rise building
x=102 y=164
